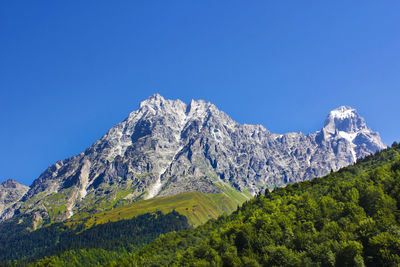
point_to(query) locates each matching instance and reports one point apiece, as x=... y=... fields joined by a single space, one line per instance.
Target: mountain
x=10 y=192
x=168 y=147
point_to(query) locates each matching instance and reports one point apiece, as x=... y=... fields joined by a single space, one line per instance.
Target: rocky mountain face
x=167 y=147
x=11 y=192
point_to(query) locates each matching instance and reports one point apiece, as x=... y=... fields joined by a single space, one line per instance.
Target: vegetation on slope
x=78 y=258
x=196 y=206
x=122 y=236
x=348 y=218
x=124 y=228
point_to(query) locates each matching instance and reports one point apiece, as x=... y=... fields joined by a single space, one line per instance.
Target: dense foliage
x=348 y=218
x=124 y=235
x=77 y=257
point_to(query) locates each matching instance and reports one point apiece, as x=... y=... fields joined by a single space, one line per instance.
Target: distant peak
x=11 y=183
x=345 y=119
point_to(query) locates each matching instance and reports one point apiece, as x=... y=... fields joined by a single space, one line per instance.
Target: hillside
x=116 y=237
x=197 y=207
x=348 y=218
x=119 y=230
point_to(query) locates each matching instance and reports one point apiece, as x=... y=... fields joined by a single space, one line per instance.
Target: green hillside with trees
x=116 y=238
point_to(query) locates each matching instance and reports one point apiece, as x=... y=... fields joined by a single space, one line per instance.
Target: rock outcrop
x=10 y=192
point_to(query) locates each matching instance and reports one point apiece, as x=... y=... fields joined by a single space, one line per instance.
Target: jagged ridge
x=168 y=147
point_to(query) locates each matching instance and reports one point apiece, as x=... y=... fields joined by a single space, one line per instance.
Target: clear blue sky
x=70 y=70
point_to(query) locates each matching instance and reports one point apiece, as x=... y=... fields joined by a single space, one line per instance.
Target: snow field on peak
x=343 y=113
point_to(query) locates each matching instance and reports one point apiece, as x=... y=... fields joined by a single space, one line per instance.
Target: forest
x=115 y=237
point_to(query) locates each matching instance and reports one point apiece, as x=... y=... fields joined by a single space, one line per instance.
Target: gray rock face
x=11 y=192
x=167 y=147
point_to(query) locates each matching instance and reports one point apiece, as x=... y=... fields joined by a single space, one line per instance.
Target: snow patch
x=343 y=112
x=348 y=136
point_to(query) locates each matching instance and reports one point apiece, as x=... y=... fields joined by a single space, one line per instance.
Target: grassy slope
x=238 y=197
x=196 y=206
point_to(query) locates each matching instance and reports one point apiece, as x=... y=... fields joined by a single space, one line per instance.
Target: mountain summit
x=168 y=147
x=344 y=122
x=344 y=119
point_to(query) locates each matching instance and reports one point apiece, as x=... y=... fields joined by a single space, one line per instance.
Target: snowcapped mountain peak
x=344 y=119
x=344 y=123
